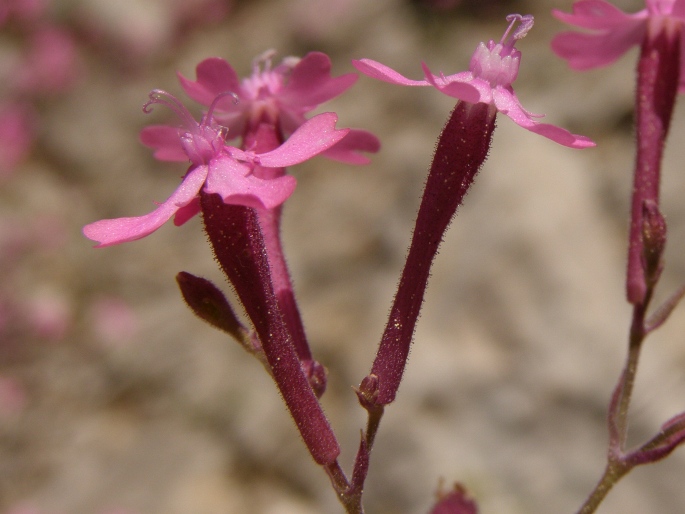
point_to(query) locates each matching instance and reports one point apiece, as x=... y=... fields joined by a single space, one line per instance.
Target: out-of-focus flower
x=48 y=315
x=12 y=397
x=49 y=65
x=492 y=70
x=658 y=30
x=39 y=60
x=16 y=136
x=217 y=168
x=612 y=32
x=114 y=322
x=22 y=10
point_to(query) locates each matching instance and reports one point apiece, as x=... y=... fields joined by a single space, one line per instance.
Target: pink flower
x=221 y=169
x=50 y=63
x=12 y=396
x=25 y=11
x=16 y=135
x=49 y=316
x=612 y=32
x=279 y=96
x=113 y=320
x=492 y=70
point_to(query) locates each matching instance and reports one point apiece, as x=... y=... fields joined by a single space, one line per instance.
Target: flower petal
x=236 y=184
x=380 y=71
x=349 y=149
x=476 y=90
x=615 y=33
x=121 y=230
x=507 y=103
x=166 y=142
x=185 y=213
x=312 y=138
x=214 y=76
x=585 y=51
x=598 y=15
x=310 y=83
x=679 y=9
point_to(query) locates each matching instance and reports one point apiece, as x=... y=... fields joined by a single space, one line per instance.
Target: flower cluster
x=239 y=190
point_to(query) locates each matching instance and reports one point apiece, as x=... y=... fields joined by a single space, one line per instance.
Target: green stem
x=614 y=471
x=627 y=380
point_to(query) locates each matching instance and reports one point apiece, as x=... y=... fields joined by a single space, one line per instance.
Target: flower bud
x=653 y=241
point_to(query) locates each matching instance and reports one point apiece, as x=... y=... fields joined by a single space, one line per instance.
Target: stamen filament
x=159 y=96
x=525 y=24
x=207 y=118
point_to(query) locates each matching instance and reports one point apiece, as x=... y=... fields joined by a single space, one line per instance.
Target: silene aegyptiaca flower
x=461 y=149
x=612 y=32
x=278 y=96
x=492 y=70
x=215 y=167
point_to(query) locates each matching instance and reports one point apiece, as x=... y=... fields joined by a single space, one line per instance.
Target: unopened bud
x=653 y=240
x=368 y=393
x=457 y=501
x=316 y=375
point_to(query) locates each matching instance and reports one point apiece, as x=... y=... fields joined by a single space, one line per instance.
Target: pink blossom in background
x=5 y=316
x=609 y=33
x=113 y=320
x=40 y=60
x=12 y=396
x=48 y=315
x=19 y=236
x=190 y=14
x=492 y=70
x=16 y=135
x=278 y=95
x=22 y=11
x=49 y=65
x=612 y=32
x=25 y=315
x=217 y=168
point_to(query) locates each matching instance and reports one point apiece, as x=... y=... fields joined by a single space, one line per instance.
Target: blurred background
x=116 y=399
